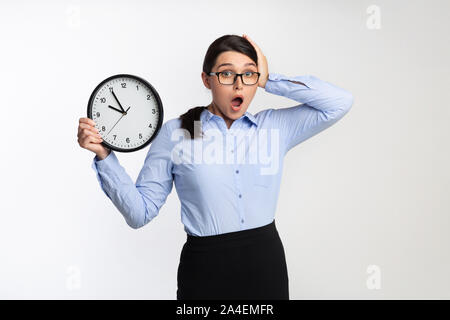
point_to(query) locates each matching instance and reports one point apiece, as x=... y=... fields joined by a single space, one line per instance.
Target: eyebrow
x=230 y=64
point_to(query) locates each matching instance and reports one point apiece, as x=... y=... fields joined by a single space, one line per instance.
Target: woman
x=233 y=250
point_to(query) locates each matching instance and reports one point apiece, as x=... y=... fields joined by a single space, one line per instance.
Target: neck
x=214 y=110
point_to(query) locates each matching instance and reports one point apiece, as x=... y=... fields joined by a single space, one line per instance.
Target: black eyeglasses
x=248 y=78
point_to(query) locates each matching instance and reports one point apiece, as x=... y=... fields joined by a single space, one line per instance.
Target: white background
x=372 y=190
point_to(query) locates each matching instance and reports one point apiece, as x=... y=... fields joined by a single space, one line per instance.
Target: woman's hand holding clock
x=90 y=139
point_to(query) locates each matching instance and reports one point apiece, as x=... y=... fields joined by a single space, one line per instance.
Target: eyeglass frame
x=235 y=77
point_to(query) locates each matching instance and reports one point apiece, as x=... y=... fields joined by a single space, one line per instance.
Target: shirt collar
x=206 y=115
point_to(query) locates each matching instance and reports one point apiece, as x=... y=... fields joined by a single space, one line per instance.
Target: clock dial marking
x=128 y=112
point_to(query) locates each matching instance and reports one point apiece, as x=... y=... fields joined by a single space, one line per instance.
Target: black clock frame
x=158 y=102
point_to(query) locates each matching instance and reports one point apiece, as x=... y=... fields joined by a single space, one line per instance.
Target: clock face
x=127 y=111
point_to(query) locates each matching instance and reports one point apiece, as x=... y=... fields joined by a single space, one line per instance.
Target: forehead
x=236 y=59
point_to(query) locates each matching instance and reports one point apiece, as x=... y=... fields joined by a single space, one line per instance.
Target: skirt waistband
x=241 y=236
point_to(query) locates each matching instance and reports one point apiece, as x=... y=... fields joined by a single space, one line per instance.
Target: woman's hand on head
x=263 y=67
x=90 y=139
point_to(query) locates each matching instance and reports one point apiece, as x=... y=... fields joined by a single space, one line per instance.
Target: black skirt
x=247 y=264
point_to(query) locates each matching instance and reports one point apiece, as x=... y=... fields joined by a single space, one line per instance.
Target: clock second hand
x=125 y=112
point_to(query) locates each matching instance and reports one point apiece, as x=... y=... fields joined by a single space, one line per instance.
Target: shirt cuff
x=105 y=166
x=109 y=160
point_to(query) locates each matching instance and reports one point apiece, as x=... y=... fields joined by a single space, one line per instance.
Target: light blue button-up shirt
x=226 y=179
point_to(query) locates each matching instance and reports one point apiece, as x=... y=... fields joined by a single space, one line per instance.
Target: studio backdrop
x=363 y=209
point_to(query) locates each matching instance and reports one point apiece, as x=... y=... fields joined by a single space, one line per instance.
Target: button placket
x=239 y=194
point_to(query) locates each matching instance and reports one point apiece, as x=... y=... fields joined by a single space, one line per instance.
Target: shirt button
x=237 y=171
x=242 y=220
x=240 y=196
x=232 y=151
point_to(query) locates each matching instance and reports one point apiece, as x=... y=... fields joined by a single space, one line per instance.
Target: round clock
x=128 y=112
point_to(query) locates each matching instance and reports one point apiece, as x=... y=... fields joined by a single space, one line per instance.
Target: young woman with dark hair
x=233 y=249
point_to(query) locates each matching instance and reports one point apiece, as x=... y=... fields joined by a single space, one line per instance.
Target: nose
x=238 y=82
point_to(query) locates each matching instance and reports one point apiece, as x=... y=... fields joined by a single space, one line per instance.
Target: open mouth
x=236 y=103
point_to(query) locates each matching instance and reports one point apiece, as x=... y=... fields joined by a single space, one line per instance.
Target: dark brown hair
x=222 y=44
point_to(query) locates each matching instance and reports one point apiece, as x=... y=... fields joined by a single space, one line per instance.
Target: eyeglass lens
x=229 y=77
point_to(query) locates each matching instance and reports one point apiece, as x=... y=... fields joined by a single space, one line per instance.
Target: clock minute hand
x=117 y=100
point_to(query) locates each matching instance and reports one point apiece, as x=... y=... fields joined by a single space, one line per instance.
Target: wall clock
x=128 y=112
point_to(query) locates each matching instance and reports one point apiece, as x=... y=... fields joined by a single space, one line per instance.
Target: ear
x=206 y=80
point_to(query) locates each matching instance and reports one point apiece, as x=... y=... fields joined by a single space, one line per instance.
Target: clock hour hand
x=112 y=90
x=115 y=109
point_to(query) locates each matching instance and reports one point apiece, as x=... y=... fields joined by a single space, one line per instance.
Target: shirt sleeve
x=322 y=104
x=138 y=202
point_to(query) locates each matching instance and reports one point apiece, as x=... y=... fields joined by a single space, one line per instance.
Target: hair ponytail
x=188 y=118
